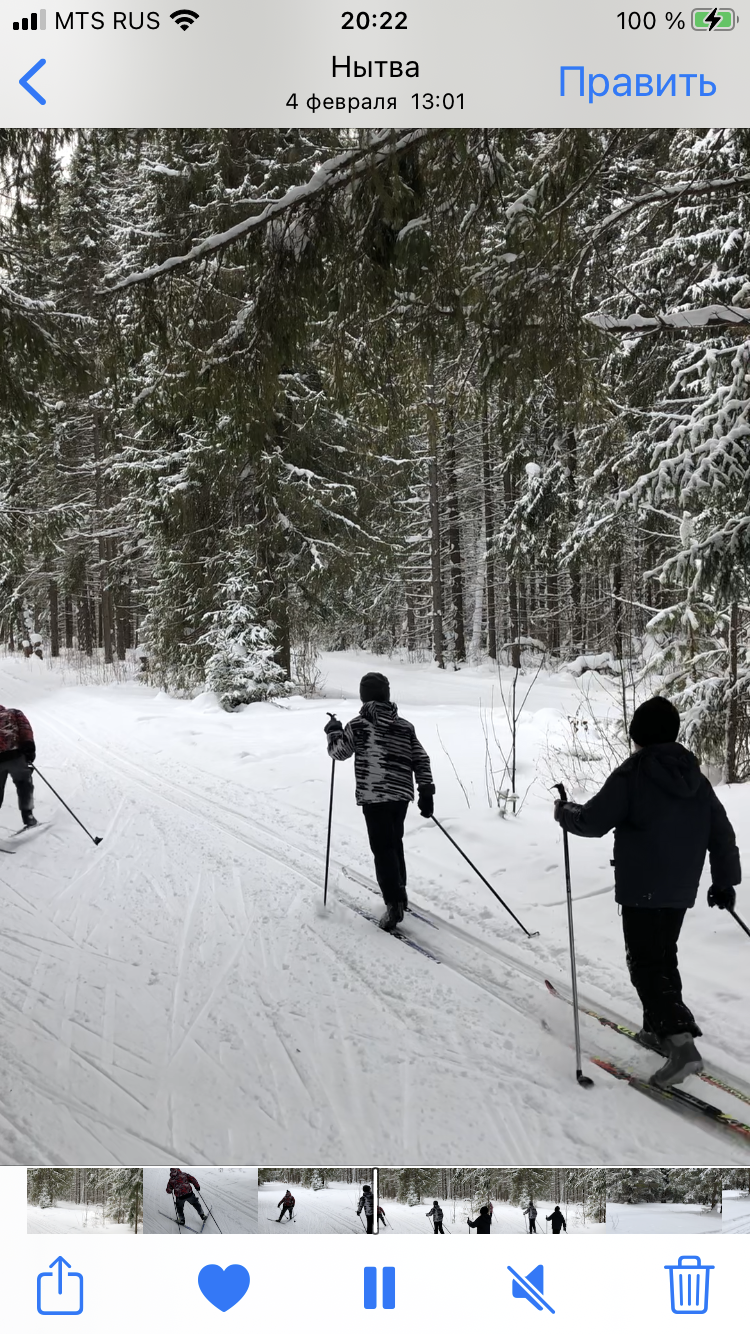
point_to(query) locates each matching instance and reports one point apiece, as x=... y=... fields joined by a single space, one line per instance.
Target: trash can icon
x=688 y=1285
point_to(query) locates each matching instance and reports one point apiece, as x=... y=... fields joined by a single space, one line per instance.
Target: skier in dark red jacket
x=180 y=1187
x=17 y=754
x=286 y=1205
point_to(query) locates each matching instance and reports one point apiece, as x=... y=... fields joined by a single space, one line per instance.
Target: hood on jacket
x=670 y=767
x=377 y=713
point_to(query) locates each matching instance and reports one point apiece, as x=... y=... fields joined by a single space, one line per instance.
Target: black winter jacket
x=557 y=1221
x=666 y=817
x=482 y=1223
x=387 y=754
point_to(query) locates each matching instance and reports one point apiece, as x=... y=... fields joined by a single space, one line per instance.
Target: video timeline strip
x=447 y=1201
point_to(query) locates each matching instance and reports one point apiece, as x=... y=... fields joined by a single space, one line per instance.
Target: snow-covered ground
x=735 y=1211
x=231 y=1193
x=628 y=1218
x=506 y=1218
x=65 y=1217
x=333 y=1209
x=179 y=993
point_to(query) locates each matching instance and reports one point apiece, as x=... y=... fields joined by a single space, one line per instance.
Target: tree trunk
x=54 y=620
x=436 y=573
x=731 y=774
x=515 y=647
x=454 y=541
x=489 y=536
x=68 y=619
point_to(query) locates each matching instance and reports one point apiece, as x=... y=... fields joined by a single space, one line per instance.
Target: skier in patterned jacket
x=367 y=1202
x=180 y=1187
x=436 y=1214
x=17 y=754
x=387 y=759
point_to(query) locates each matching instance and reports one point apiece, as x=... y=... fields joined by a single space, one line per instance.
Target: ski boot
x=648 y=1038
x=683 y=1059
x=390 y=920
x=29 y=819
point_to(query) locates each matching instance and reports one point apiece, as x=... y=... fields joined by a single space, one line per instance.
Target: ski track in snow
x=331 y=1210
x=625 y=1219
x=177 y=992
x=230 y=1193
x=64 y=1218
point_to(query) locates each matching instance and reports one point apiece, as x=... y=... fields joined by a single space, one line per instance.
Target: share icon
x=531 y=1287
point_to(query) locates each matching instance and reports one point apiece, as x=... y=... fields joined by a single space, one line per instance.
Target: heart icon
x=223 y=1287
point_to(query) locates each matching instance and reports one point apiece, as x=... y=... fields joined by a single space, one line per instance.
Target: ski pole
x=474 y=868
x=330 y=822
x=34 y=770
x=208 y=1210
x=176 y=1219
x=583 y=1079
x=739 y=921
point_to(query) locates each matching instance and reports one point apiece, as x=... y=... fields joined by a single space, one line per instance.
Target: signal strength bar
x=36 y=22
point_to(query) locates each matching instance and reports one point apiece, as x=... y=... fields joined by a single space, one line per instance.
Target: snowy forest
x=586 y=1187
x=314 y=1178
x=477 y=395
x=118 y=1191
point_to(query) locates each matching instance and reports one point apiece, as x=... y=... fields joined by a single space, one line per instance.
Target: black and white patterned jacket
x=387 y=755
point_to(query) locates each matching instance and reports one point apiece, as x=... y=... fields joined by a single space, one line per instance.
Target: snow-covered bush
x=242 y=666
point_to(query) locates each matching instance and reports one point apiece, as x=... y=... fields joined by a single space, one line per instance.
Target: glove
x=557 y=809
x=28 y=750
x=333 y=725
x=722 y=896
x=426 y=802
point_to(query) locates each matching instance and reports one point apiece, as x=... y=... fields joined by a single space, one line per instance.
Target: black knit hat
x=374 y=686
x=655 y=722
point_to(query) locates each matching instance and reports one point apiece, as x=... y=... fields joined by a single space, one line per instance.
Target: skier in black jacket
x=557 y=1220
x=387 y=759
x=367 y=1202
x=436 y=1214
x=483 y=1221
x=666 y=817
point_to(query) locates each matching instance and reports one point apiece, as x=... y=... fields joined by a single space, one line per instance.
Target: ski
x=367 y=884
x=171 y=1219
x=397 y=935
x=706 y=1075
x=683 y=1100
x=28 y=829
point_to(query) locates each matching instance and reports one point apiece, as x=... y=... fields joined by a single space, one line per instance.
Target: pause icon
x=371 y=1288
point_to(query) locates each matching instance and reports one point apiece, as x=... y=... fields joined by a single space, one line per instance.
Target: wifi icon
x=184 y=18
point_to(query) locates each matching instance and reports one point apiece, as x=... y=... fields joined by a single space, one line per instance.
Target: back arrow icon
x=24 y=81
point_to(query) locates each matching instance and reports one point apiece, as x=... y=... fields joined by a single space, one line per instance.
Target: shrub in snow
x=241 y=667
x=412 y=1198
x=45 y=1199
x=317 y=1181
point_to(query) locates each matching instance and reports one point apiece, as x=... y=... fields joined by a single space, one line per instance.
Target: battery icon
x=713 y=20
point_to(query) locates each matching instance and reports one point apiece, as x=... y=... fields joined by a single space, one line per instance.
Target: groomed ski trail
x=296 y=1028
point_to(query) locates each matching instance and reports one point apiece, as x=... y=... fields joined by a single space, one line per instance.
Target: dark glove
x=557 y=809
x=333 y=725
x=28 y=750
x=722 y=896
x=426 y=802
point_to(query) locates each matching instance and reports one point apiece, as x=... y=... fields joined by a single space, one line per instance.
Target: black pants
x=369 y=1222
x=438 y=1226
x=651 y=936
x=287 y=1209
x=385 y=830
x=532 y=1225
x=16 y=767
x=187 y=1199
